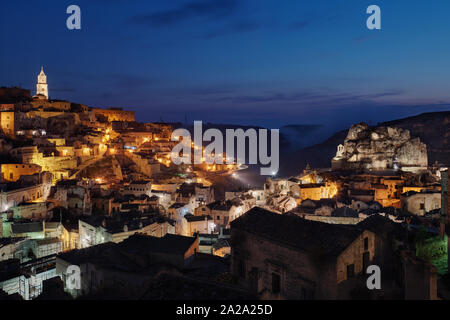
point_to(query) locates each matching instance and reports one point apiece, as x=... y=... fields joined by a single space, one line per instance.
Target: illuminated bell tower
x=41 y=86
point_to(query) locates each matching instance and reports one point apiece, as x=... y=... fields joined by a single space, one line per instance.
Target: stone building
x=8 y=122
x=418 y=277
x=12 y=248
x=420 y=203
x=47 y=247
x=33 y=230
x=46 y=108
x=138 y=188
x=222 y=212
x=30 y=211
x=287 y=257
x=191 y=225
x=97 y=230
x=10 y=197
x=128 y=266
x=42 y=86
x=13 y=171
x=114 y=114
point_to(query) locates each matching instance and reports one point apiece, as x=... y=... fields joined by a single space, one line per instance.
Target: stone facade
x=12 y=172
x=290 y=264
x=420 y=203
x=380 y=148
x=41 y=86
x=114 y=114
x=7 y=122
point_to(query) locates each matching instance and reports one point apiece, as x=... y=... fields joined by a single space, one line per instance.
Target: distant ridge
x=433 y=128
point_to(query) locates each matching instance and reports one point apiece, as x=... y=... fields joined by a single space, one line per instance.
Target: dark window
x=366 y=258
x=366 y=243
x=422 y=206
x=254 y=279
x=218 y=217
x=242 y=269
x=305 y=294
x=350 y=271
x=276 y=283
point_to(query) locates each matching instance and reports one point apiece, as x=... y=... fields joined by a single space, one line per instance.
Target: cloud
x=212 y=9
x=236 y=28
x=300 y=24
x=362 y=39
x=130 y=81
x=311 y=98
x=120 y=80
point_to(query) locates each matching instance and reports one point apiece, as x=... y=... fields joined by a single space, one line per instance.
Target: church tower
x=42 y=87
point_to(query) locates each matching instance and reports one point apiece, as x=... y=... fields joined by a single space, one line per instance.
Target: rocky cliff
x=432 y=128
x=380 y=148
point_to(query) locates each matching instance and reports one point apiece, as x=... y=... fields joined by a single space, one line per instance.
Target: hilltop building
x=42 y=86
x=380 y=148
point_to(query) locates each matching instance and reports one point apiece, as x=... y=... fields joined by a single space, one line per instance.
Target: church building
x=42 y=86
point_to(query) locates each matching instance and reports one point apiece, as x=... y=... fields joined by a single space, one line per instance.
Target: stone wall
x=114 y=114
x=301 y=277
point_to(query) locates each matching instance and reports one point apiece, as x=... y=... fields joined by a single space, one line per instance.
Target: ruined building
x=380 y=148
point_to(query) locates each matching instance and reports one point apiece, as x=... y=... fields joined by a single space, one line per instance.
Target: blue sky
x=259 y=62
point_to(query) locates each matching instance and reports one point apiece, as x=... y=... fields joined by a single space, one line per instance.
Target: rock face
x=380 y=148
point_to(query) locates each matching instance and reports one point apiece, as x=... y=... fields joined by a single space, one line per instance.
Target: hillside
x=432 y=128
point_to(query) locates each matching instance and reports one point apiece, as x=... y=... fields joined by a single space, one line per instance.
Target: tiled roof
x=170 y=243
x=344 y=212
x=381 y=225
x=177 y=205
x=220 y=205
x=192 y=218
x=143 y=182
x=18 y=228
x=294 y=231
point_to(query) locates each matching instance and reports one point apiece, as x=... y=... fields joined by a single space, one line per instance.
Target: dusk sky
x=257 y=62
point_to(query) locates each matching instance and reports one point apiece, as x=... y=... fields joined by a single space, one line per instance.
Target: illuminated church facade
x=42 y=86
